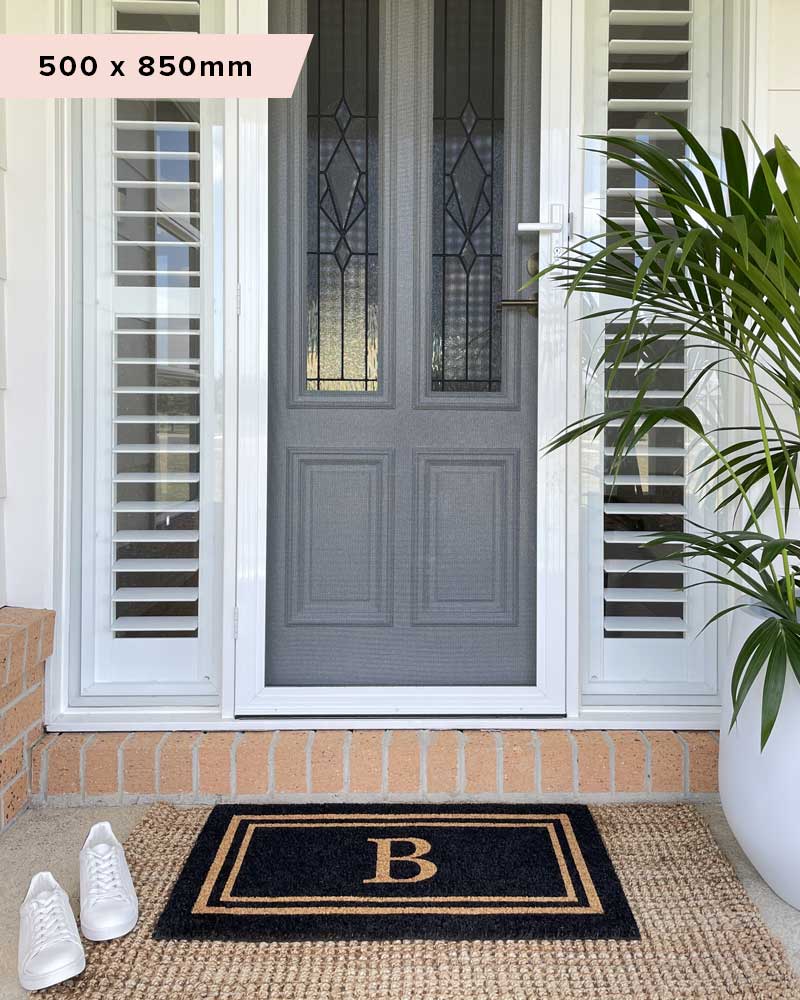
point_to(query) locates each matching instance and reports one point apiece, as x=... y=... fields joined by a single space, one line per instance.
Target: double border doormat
x=700 y=935
x=383 y=872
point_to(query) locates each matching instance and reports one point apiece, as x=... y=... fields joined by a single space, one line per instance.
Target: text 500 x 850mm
x=146 y=66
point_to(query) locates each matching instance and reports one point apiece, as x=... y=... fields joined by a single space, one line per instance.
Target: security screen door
x=403 y=485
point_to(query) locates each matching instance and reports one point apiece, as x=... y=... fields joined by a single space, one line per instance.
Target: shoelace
x=49 y=923
x=105 y=881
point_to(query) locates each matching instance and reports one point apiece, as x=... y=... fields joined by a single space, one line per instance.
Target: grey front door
x=402 y=442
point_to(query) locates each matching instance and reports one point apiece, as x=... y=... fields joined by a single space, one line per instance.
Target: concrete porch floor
x=50 y=838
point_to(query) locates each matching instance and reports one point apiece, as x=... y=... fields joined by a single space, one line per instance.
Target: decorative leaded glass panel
x=342 y=284
x=469 y=66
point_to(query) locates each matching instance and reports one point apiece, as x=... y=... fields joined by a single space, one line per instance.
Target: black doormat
x=387 y=872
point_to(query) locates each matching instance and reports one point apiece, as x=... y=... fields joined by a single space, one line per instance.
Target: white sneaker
x=109 y=907
x=50 y=948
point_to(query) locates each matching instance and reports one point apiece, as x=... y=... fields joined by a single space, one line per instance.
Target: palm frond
x=714 y=258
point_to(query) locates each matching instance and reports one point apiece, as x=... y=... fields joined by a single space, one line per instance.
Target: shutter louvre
x=157 y=419
x=156 y=625
x=649 y=74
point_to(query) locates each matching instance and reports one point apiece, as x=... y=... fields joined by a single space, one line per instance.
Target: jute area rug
x=701 y=937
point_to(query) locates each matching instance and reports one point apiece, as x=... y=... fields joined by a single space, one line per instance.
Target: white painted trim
x=394 y=702
x=638 y=718
x=230 y=415
x=575 y=644
x=230 y=430
x=747 y=96
x=248 y=384
x=746 y=85
x=590 y=101
x=558 y=145
x=251 y=540
x=57 y=678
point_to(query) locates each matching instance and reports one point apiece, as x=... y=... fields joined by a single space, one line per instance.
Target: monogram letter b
x=384 y=859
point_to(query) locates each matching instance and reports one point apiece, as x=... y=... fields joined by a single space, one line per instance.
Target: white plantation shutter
x=150 y=600
x=156 y=15
x=647 y=494
x=657 y=61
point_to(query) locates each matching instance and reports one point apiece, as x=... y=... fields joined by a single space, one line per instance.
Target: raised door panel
x=467 y=536
x=338 y=563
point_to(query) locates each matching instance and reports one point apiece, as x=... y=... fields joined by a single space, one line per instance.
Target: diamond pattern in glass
x=342 y=164
x=468 y=195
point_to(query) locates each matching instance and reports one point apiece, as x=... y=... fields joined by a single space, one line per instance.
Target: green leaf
x=760 y=200
x=704 y=160
x=782 y=206
x=669 y=263
x=790 y=169
x=735 y=167
x=775 y=243
x=793 y=652
x=740 y=225
x=644 y=268
x=774 y=684
x=747 y=670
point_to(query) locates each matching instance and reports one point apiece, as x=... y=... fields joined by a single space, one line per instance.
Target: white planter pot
x=760 y=792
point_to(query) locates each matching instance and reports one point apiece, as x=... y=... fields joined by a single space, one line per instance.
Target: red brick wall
x=401 y=764
x=26 y=640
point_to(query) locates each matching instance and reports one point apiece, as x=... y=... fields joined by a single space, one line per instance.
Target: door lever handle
x=554 y=225
x=539 y=227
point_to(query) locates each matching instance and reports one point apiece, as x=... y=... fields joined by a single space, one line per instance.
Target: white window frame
x=142 y=670
x=629 y=670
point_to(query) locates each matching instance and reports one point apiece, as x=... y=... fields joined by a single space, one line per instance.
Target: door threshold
x=168 y=718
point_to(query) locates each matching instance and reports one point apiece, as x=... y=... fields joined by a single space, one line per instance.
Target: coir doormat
x=388 y=872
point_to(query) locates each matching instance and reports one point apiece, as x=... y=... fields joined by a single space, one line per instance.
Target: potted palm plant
x=715 y=260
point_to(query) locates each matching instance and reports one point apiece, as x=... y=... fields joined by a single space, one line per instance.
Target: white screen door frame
x=548 y=695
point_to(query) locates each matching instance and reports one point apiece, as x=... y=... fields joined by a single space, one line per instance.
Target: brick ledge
x=26 y=640
x=73 y=768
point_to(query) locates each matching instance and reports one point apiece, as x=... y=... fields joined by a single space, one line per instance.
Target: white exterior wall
x=783 y=105
x=3 y=274
x=31 y=332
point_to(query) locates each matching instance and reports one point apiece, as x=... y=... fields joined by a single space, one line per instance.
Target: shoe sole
x=52 y=978
x=109 y=933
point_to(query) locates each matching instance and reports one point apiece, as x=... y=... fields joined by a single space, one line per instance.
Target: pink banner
x=151 y=65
